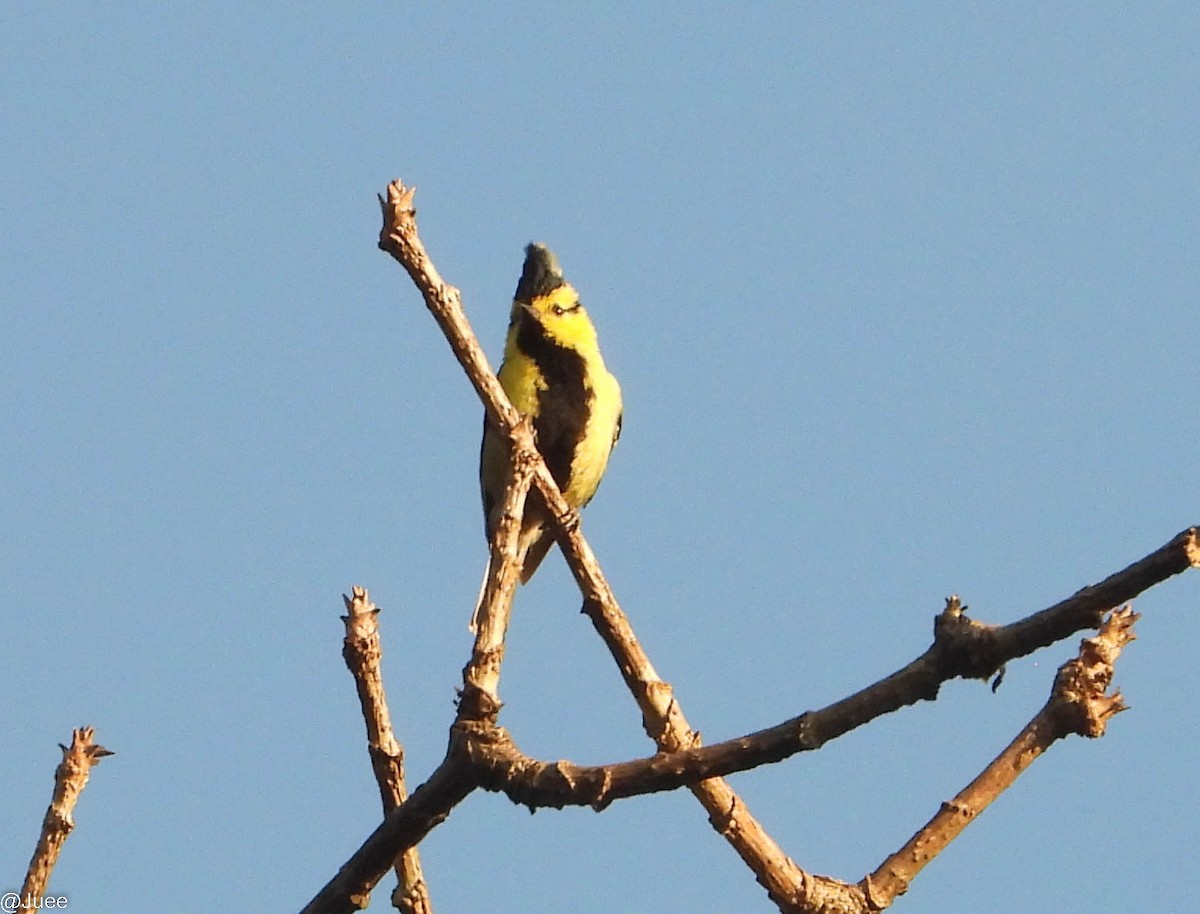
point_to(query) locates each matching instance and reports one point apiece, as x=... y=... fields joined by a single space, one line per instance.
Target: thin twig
x=70 y=778
x=400 y=239
x=362 y=652
x=1085 y=608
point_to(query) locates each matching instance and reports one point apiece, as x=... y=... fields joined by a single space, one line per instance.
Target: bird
x=554 y=374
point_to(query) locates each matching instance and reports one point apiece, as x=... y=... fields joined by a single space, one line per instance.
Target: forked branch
x=1079 y=703
x=481 y=754
x=962 y=647
x=662 y=716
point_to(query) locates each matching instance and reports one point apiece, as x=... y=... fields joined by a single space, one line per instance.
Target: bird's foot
x=569 y=520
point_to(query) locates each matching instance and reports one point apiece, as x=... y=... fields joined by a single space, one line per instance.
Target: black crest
x=540 y=275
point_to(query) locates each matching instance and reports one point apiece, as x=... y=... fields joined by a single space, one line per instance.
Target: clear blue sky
x=903 y=301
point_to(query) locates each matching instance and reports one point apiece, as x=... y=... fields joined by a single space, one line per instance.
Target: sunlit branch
x=362 y=652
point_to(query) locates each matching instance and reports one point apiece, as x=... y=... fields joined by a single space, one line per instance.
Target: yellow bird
x=552 y=372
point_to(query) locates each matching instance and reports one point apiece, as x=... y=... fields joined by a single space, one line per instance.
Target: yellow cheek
x=563 y=297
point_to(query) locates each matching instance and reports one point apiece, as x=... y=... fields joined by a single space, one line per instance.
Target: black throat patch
x=565 y=405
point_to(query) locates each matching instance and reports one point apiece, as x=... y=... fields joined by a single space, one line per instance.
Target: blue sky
x=902 y=300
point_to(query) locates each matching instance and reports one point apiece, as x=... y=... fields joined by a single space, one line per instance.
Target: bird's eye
x=559 y=310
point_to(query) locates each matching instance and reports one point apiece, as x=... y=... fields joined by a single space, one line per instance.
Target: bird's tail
x=473 y=627
x=535 y=551
x=532 y=548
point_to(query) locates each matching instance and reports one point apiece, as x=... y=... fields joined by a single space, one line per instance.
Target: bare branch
x=480 y=699
x=426 y=807
x=399 y=238
x=362 y=652
x=1086 y=608
x=1078 y=703
x=962 y=647
x=70 y=778
x=967 y=648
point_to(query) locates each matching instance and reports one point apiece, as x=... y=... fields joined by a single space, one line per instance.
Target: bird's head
x=545 y=297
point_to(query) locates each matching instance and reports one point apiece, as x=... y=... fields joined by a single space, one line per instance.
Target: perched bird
x=552 y=372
